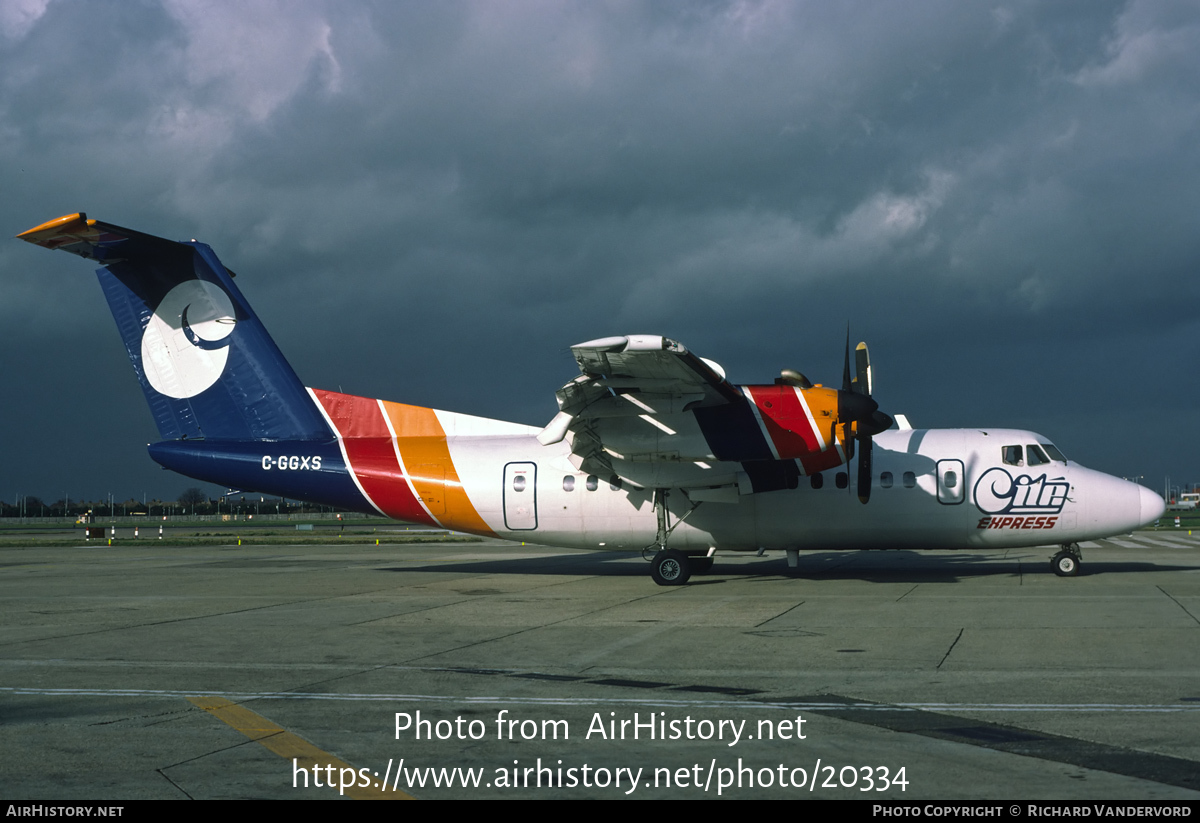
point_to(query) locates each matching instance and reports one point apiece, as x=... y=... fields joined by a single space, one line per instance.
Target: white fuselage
x=933 y=489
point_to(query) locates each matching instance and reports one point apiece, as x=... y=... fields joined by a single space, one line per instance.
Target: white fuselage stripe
x=811 y=421
x=400 y=462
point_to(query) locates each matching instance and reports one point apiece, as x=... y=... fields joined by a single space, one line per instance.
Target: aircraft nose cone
x=1152 y=505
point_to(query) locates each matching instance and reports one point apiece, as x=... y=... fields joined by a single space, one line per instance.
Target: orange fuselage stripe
x=426 y=454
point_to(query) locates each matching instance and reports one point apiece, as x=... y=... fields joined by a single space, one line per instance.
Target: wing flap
x=629 y=412
x=651 y=363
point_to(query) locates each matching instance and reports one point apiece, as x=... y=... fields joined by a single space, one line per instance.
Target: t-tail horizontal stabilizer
x=206 y=364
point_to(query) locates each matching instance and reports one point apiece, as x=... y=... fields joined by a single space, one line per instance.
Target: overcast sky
x=430 y=203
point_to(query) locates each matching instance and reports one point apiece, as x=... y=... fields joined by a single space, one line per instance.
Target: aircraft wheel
x=1065 y=564
x=670 y=568
x=700 y=565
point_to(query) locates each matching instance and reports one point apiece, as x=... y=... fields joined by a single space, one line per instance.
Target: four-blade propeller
x=860 y=414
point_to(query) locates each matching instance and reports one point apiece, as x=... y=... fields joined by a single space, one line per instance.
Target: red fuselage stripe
x=371 y=453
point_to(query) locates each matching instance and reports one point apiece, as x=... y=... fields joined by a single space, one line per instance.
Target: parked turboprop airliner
x=653 y=448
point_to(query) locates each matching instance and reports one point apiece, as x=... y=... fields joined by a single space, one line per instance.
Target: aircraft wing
x=636 y=376
x=652 y=364
x=648 y=411
x=637 y=411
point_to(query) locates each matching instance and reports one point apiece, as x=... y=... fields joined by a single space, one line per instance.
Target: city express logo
x=1022 y=502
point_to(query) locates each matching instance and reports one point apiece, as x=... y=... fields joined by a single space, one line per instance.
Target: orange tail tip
x=46 y=234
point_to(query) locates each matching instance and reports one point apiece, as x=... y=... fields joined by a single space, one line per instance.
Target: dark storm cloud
x=430 y=202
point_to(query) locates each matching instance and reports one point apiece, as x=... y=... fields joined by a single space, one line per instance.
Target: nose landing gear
x=1066 y=562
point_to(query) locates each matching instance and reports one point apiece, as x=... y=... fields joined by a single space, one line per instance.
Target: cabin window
x=1054 y=453
x=1036 y=456
x=885 y=480
x=841 y=480
x=519 y=483
x=950 y=480
x=592 y=483
x=1012 y=456
x=910 y=480
x=615 y=483
x=569 y=483
x=817 y=480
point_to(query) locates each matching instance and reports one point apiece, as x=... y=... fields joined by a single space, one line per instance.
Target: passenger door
x=950 y=482
x=520 y=496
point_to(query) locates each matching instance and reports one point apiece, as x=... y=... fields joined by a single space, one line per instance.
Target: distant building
x=1186 y=501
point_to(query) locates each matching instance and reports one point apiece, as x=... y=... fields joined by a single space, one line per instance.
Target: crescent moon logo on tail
x=186 y=343
x=198 y=341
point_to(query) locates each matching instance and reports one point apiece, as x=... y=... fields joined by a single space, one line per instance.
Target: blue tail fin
x=206 y=364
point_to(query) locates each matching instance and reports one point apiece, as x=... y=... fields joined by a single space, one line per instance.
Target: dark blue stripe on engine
x=732 y=432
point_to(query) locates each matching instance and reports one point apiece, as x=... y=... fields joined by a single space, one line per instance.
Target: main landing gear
x=1066 y=562
x=671 y=567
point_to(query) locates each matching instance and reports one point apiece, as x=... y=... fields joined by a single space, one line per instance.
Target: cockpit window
x=1012 y=455
x=1037 y=457
x=1054 y=453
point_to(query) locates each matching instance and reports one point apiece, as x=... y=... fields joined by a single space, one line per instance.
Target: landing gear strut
x=671 y=567
x=1066 y=562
